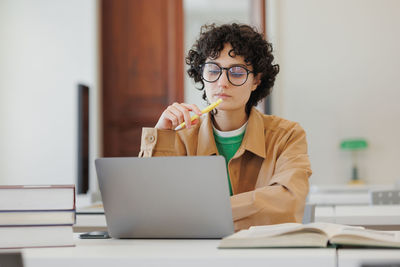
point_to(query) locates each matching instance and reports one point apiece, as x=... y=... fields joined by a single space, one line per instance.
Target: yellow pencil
x=204 y=111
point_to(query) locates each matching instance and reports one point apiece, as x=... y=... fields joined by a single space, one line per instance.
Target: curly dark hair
x=246 y=42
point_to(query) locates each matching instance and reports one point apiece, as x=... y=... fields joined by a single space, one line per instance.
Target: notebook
x=165 y=197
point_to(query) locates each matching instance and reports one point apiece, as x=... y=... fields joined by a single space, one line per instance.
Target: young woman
x=266 y=156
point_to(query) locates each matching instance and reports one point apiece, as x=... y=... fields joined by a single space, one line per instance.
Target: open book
x=310 y=235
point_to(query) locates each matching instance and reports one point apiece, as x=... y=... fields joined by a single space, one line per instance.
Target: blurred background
x=339 y=63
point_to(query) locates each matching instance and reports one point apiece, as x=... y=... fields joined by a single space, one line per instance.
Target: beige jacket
x=269 y=172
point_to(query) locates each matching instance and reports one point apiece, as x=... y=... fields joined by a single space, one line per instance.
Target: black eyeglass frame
x=226 y=73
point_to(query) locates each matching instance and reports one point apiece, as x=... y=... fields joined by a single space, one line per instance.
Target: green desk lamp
x=354 y=145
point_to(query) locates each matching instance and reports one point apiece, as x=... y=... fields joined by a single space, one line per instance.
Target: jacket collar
x=206 y=144
x=253 y=139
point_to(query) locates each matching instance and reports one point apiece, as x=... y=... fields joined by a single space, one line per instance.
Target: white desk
x=344 y=194
x=339 y=198
x=345 y=204
x=357 y=257
x=111 y=252
x=385 y=217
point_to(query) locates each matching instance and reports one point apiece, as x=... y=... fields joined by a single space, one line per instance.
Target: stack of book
x=36 y=216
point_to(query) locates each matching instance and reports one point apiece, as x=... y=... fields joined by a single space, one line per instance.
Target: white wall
x=339 y=78
x=47 y=47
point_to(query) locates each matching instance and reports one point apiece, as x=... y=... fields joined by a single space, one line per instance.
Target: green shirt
x=227 y=147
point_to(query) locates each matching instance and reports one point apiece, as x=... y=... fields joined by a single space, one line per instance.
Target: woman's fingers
x=195 y=121
x=193 y=107
x=185 y=111
x=177 y=113
x=172 y=118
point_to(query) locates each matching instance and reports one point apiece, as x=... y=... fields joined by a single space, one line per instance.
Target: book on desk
x=310 y=235
x=36 y=216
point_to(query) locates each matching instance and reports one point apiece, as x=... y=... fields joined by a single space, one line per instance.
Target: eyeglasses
x=237 y=75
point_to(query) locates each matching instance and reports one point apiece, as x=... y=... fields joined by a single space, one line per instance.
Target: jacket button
x=151 y=138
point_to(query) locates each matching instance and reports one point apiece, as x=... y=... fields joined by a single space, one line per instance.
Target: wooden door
x=142 y=68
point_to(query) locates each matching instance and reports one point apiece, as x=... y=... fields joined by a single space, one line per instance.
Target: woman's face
x=234 y=97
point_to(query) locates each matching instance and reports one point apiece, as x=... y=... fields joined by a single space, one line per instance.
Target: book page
x=389 y=236
x=313 y=234
x=328 y=229
x=279 y=235
x=270 y=230
x=331 y=229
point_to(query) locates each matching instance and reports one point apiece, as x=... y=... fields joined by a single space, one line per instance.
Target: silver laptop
x=165 y=197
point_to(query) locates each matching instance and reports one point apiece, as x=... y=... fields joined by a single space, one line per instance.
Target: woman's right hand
x=175 y=114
